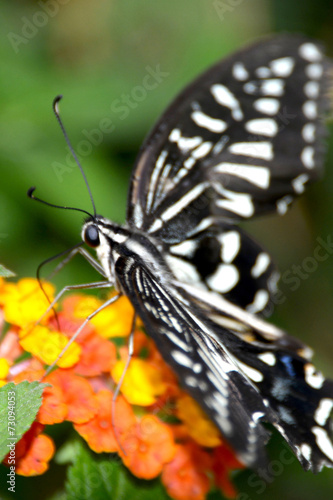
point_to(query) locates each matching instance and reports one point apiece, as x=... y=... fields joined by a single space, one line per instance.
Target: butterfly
x=242 y=140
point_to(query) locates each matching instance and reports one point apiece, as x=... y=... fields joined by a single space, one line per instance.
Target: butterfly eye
x=91 y=236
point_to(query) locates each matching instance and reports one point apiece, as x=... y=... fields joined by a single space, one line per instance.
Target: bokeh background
x=93 y=53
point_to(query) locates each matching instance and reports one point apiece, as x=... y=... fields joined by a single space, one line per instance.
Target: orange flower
x=70 y=398
x=67 y=324
x=224 y=461
x=98 y=355
x=146 y=445
x=29 y=369
x=99 y=431
x=32 y=452
x=149 y=445
x=200 y=428
x=10 y=347
x=185 y=477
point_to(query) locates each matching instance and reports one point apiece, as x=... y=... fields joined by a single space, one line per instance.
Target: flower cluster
x=154 y=426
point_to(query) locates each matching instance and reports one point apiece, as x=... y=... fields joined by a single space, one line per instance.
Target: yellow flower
x=142 y=383
x=199 y=427
x=4 y=370
x=25 y=302
x=46 y=345
x=113 y=321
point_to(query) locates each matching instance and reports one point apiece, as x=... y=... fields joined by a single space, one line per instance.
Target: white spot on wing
x=262 y=126
x=306 y=451
x=307 y=157
x=267 y=105
x=263 y=149
x=312 y=377
x=191 y=381
x=260 y=176
x=259 y=302
x=282 y=205
x=184 y=143
x=298 y=183
x=268 y=358
x=308 y=132
x=197 y=368
x=323 y=441
x=157 y=224
x=311 y=89
x=272 y=87
x=310 y=52
x=212 y=124
x=263 y=72
x=183 y=270
x=202 y=150
x=261 y=264
x=250 y=372
x=283 y=66
x=185 y=248
x=230 y=246
x=250 y=88
x=240 y=72
x=224 y=279
x=310 y=109
x=314 y=71
x=323 y=411
x=257 y=415
x=239 y=203
x=225 y=97
x=182 y=359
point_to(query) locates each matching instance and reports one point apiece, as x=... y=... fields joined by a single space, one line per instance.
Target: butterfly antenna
x=57 y=113
x=33 y=197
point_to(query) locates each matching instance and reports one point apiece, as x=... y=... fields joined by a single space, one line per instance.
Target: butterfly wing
x=203 y=366
x=244 y=139
x=224 y=259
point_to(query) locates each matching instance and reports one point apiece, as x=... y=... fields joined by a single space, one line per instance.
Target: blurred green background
x=93 y=53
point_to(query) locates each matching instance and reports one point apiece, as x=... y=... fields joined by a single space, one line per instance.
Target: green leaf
x=6 y=273
x=19 y=405
x=91 y=477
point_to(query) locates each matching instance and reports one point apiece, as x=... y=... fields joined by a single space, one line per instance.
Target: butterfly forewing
x=204 y=366
x=243 y=139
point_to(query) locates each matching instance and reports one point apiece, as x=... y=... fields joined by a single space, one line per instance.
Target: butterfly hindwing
x=298 y=395
x=224 y=259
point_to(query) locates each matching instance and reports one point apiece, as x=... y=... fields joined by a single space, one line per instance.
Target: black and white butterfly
x=244 y=139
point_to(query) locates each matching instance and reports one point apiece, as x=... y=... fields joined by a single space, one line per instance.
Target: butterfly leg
x=117 y=390
x=85 y=254
x=79 y=330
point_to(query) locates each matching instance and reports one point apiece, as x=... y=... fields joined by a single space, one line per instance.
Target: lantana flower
x=148 y=420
